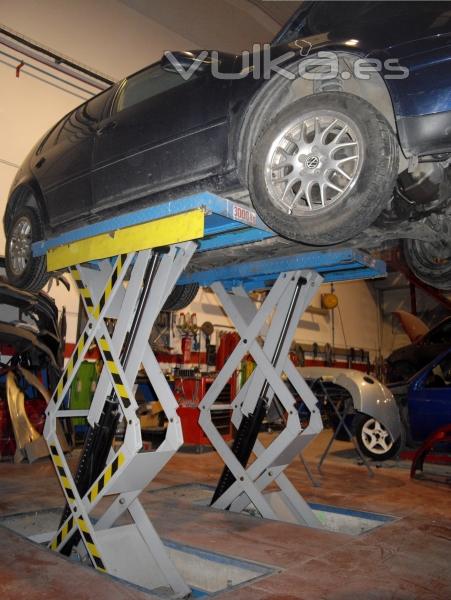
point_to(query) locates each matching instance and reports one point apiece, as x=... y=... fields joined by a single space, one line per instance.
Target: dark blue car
x=426 y=400
x=338 y=132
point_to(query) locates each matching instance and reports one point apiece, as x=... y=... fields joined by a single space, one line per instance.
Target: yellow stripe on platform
x=169 y=230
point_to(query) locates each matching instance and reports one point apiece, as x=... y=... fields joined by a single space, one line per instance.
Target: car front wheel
x=324 y=168
x=373 y=438
x=24 y=270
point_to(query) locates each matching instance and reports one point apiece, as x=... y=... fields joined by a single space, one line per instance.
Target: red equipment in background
x=227 y=344
x=186 y=349
x=189 y=391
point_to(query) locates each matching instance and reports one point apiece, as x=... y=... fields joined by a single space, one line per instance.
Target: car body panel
x=427 y=90
x=62 y=162
x=30 y=320
x=369 y=396
x=64 y=173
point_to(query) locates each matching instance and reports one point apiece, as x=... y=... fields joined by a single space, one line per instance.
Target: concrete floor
x=407 y=559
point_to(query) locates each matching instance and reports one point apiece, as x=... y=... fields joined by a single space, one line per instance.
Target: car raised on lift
x=339 y=133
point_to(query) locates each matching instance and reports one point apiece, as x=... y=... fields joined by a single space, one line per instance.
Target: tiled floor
x=407 y=559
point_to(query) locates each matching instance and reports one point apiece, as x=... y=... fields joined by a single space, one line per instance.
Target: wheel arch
x=27 y=193
x=372 y=398
x=278 y=92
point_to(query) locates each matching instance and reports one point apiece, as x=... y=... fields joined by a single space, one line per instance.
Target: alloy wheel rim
x=375 y=437
x=313 y=163
x=20 y=246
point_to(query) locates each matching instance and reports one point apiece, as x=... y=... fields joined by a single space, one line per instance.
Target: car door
x=429 y=399
x=163 y=131
x=62 y=165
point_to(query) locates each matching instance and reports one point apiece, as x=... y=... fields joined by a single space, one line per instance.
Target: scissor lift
x=125 y=268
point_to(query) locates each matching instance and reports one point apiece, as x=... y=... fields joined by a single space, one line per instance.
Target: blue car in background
x=425 y=401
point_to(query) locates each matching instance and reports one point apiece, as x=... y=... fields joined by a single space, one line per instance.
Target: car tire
x=429 y=262
x=401 y=370
x=369 y=163
x=373 y=439
x=181 y=296
x=24 y=270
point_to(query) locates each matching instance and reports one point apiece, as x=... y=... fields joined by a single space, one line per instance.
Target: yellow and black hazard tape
x=82 y=289
x=104 y=479
x=90 y=544
x=95 y=310
x=65 y=480
x=111 y=365
x=62 y=533
x=79 y=348
x=80 y=522
x=85 y=293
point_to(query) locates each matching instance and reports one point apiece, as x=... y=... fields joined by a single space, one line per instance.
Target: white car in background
x=374 y=419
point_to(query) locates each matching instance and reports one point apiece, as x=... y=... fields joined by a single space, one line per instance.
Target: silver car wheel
x=375 y=437
x=20 y=245
x=314 y=162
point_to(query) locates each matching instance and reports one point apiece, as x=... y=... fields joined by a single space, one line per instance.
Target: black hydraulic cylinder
x=92 y=460
x=250 y=425
x=99 y=438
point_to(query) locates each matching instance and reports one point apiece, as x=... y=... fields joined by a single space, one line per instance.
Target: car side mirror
x=182 y=62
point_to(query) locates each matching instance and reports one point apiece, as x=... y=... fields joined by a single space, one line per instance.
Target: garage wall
x=116 y=38
x=358 y=326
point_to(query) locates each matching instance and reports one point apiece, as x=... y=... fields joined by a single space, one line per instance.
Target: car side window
x=440 y=376
x=144 y=85
x=79 y=123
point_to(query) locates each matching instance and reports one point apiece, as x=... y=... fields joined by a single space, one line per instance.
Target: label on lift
x=241 y=213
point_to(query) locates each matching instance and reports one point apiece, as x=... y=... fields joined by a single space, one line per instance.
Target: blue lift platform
x=125 y=267
x=226 y=224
